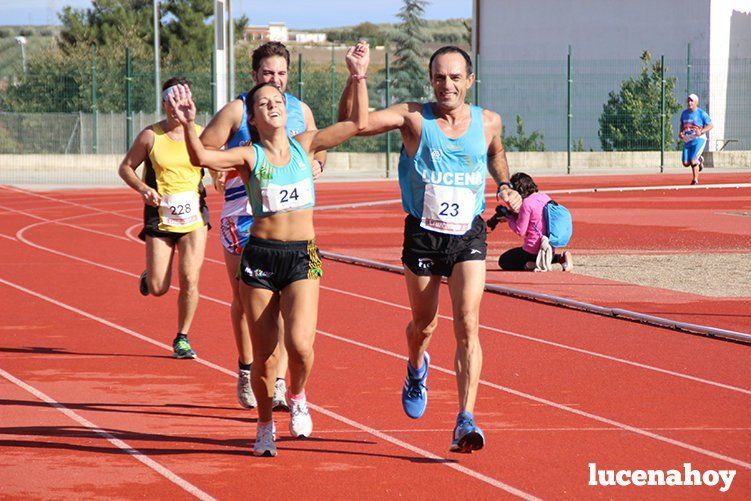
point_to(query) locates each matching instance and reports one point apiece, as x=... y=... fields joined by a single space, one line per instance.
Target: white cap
x=694 y=98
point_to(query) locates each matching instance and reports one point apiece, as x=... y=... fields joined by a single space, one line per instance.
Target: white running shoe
x=265 y=445
x=279 y=402
x=244 y=391
x=300 y=422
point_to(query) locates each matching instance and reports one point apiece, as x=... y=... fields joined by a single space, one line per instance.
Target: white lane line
x=557 y=345
x=120 y=444
x=562 y=407
x=20 y=236
x=338 y=417
x=74 y=204
x=57 y=222
x=538 y=430
x=8 y=237
x=619 y=189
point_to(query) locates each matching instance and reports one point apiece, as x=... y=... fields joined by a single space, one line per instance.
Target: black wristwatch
x=501 y=185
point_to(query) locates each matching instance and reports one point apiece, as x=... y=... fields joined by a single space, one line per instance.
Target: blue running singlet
x=443 y=185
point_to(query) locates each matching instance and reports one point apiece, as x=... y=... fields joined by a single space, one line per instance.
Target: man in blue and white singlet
x=695 y=123
x=229 y=128
x=449 y=146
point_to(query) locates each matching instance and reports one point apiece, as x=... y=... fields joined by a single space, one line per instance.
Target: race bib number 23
x=448 y=209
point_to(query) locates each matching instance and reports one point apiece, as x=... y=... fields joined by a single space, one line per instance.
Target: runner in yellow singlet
x=175 y=216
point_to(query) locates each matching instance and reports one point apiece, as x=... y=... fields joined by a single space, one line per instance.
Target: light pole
x=22 y=42
x=157 y=69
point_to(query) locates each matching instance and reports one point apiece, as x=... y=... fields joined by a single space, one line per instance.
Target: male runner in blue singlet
x=449 y=146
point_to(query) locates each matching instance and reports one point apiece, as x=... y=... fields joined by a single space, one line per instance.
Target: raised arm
x=181 y=105
x=497 y=163
x=393 y=117
x=137 y=154
x=358 y=58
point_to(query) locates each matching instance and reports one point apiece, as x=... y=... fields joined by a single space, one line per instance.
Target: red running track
x=93 y=406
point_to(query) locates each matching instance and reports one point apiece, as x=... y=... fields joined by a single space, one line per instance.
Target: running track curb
x=539 y=297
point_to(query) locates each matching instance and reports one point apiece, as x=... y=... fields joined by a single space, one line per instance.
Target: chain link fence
x=99 y=107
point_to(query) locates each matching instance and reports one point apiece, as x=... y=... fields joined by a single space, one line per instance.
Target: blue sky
x=296 y=13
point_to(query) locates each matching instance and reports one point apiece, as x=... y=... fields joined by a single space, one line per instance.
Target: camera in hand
x=501 y=212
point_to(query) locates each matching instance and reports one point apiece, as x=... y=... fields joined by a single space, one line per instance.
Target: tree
x=410 y=38
x=522 y=142
x=186 y=35
x=108 y=23
x=630 y=120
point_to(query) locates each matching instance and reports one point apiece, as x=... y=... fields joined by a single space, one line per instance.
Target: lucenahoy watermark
x=688 y=476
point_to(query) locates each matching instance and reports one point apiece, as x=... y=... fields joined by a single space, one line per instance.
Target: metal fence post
x=80 y=133
x=333 y=85
x=300 y=82
x=688 y=69
x=128 y=100
x=213 y=81
x=569 y=115
x=388 y=103
x=662 y=113
x=477 y=79
x=94 y=110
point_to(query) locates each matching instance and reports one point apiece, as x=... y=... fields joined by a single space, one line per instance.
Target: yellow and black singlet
x=168 y=170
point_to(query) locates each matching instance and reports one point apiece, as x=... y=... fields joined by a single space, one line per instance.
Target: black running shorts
x=273 y=264
x=427 y=252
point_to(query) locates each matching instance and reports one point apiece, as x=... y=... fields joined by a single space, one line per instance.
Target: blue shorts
x=693 y=149
x=234 y=232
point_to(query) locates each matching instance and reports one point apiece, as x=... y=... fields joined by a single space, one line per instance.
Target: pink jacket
x=529 y=223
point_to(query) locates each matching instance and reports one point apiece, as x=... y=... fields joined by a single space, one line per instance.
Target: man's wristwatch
x=500 y=187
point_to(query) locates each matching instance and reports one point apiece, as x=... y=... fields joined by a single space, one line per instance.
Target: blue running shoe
x=467 y=436
x=415 y=393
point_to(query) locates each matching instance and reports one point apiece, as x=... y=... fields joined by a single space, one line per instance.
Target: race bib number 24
x=286 y=197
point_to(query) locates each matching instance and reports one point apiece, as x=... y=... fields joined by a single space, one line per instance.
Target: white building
x=310 y=37
x=523 y=50
x=278 y=32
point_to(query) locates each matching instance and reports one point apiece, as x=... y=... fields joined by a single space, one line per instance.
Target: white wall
x=730 y=26
x=523 y=47
x=597 y=29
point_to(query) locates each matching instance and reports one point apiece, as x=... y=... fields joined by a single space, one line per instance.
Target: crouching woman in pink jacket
x=530 y=224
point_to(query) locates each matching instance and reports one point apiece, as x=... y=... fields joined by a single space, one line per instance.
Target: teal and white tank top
x=273 y=188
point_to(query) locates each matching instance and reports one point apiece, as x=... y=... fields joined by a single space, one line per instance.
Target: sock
x=180 y=336
x=465 y=415
x=244 y=367
x=417 y=373
x=266 y=424
x=280 y=378
x=300 y=396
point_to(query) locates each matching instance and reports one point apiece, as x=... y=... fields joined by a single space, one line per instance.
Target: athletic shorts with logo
x=693 y=149
x=234 y=232
x=273 y=264
x=427 y=252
